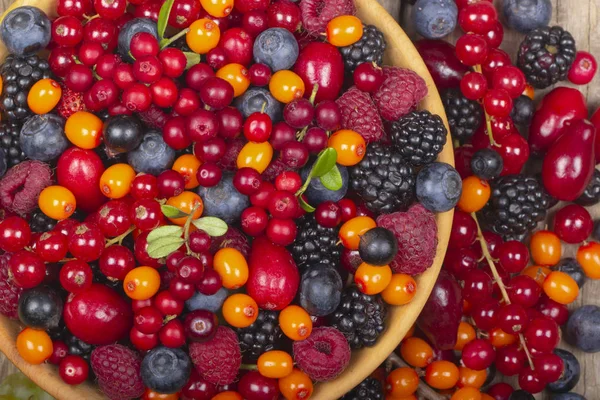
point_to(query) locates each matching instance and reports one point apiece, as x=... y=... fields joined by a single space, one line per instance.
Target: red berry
x=67 y=31
x=473 y=85
x=183 y=13
x=190 y=269
x=282 y=134
x=202 y=125
x=583 y=69
x=187 y=103
x=172 y=334
x=113 y=218
x=27 y=269
x=143 y=44
x=87 y=242
x=167 y=304
x=573 y=223
x=175 y=133
x=542 y=334
x=230 y=122
x=513 y=256
x=479 y=17
x=471 y=49
x=289 y=181
x=254 y=221
x=258 y=127
x=315 y=139
x=144 y=186
x=148 y=320
x=116 y=261
x=147 y=69
x=368 y=77
x=209 y=175
x=328 y=214
x=509 y=78
x=512 y=318
x=281 y=231
x=164 y=92
x=51 y=246
x=524 y=290
x=15 y=234
x=181 y=289
x=255 y=22
x=259 y=74
x=173 y=60
x=284 y=14
x=211 y=282
x=284 y=205
x=549 y=367
x=73 y=370
x=247 y=181
x=263 y=195
x=143 y=341
x=497 y=103
x=298 y=113
x=510 y=359
x=478 y=354
x=530 y=380
x=170 y=183
x=464 y=230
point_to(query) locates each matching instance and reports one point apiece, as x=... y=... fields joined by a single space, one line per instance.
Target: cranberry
x=210 y=283
x=147 y=69
x=315 y=139
x=247 y=181
x=170 y=183
x=197 y=75
x=510 y=359
x=513 y=256
x=473 y=85
x=79 y=78
x=190 y=269
x=485 y=314
x=101 y=95
x=299 y=113
x=284 y=205
x=255 y=22
x=281 y=134
x=59 y=351
x=258 y=127
x=583 y=69
x=263 y=195
x=328 y=115
x=181 y=289
x=60 y=60
x=167 y=304
x=230 y=122
x=254 y=221
x=348 y=209
x=143 y=341
x=148 y=320
x=173 y=259
x=187 y=103
x=471 y=49
x=500 y=391
x=573 y=223
x=101 y=31
x=328 y=214
x=137 y=97
x=464 y=230
x=479 y=17
x=73 y=370
x=148 y=9
x=67 y=31
x=542 y=334
x=282 y=231
x=183 y=13
x=144 y=186
x=172 y=334
x=216 y=58
x=75 y=8
x=198 y=388
x=209 y=174
x=289 y=181
x=294 y=154
x=51 y=246
x=531 y=381
x=259 y=74
x=211 y=150
x=137 y=305
x=175 y=133
x=15 y=234
x=173 y=61
x=87 y=242
x=202 y=125
x=549 y=308
x=254 y=386
x=216 y=93
x=368 y=77
x=244 y=6
x=123 y=76
x=164 y=92
x=237 y=46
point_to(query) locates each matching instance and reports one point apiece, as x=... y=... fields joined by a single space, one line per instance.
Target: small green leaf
x=164 y=231
x=333 y=179
x=191 y=59
x=163 y=18
x=305 y=206
x=172 y=212
x=212 y=225
x=325 y=161
x=164 y=246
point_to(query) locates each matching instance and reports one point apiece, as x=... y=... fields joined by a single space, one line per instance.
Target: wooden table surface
x=581 y=18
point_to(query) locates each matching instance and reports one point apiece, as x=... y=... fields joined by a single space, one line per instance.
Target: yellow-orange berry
x=560 y=287
x=141 y=283
x=372 y=279
x=44 y=95
x=441 y=374
x=240 y=310
x=232 y=267
x=295 y=322
x=471 y=378
x=537 y=272
x=228 y=395
x=499 y=338
x=464 y=335
x=475 y=194
x=401 y=382
x=286 y=86
x=349 y=146
x=352 y=229
x=416 y=352
x=203 y=36
x=217 y=8
x=275 y=364
x=238 y=77
x=401 y=290
x=57 y=202
x=84 y=130
x=34 y=346
x=295 y=386
x=186 y=202
x=344 y=30
x=254 y=155
x=467 y=393
x=545 y=248
x=588 y=256
x=187 y=165
x=115 y=181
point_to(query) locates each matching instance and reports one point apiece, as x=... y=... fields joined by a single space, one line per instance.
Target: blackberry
x=545 y=56
x=40 y=222
x=263 y=335
x=383 y=179
x=9 y=142
x=591 y=194
x=315 y=244
x=516 y=205
x=464 y=115
x=369 y=389
x=18 y=75
x=419 y=137
x=369 y=48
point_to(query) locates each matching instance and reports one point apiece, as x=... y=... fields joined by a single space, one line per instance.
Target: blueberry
x=252 y=101
x=568 y=396
x=166 y=370
x=223 y=200
x=571 y=373
x=523 y=109
x=122 y=133
x=40 y=308
x=277 y=48
x=378 y=246
x=317 y=193
x=438 y=187
x=152 y=156
x=583 y=329
x=128 y=30
x=527 y=15
x=434 y=19
x=25 y=30
x=43 y=137
x=521 y=395
x=571 y=267
x=212 y=303
x=3 y=163
x=320 y=290
x=487 y=164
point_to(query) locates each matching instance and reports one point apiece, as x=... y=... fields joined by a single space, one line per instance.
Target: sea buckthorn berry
x=57 y=202
x=401 y=290
x=471 y=378
x=344 y=30
x=499 y=338
x=232 y=267
x=295 y=322
x=275 y=364
x=467 y=393
x=217 y=8
x=349 y=145
x=34 y=346
x=84 y=130
x=588 y=256
x=537 y=272
x=475 y=194
x=186 y=202
x=44 y=95
x=115 y=181
x=286 y=86
x=237 y=76
x=372 y=279
x=141 y=283
x=228 y=395
x=295 y=386
x=187 y=165
x=240 y=310
x=441 y=375
x=416 y=352
x=203 y=36
x=401 y=382
x=464 y=335
x=352 y=229
x=560 y=287
x=545 y=248
x=152 y=395
x=257 y=156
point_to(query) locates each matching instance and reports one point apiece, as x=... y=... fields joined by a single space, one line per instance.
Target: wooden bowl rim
x=401 y=52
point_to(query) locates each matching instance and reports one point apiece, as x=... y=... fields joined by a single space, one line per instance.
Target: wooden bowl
x=400 y=52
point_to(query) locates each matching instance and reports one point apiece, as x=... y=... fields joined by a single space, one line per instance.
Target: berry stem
x=313 y=94
x=488 y=121
x=249 y=367
x=119 y=239
x=424 y=391
x=166 y=42
x=186 y=228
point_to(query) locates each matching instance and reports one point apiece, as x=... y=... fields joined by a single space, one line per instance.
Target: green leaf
x=212 y=225
x=191 y=59
x=333 y=179
x=164 y=231
x=325 y=161
x=163 y=18
x=164 y=246
x=305 y=206
x=172 y=212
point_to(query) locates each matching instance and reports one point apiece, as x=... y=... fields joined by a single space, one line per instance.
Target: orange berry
x=401 y=290
x=217 y=8
x=57 y=202
x=84 y=130
x=537 y=272
x=545 y=248
x=34 y=346
x=349 y=145
x=152 y=395
x=295 y=386
x=232 y=267
x=295 y=322
x=588 y=256
x=411 y=332
x=401 y=382
x=467 y=393
x=441 y=374
x=372 y=279
x=237 y=76
x=1 y=84
x=344 y=30
x=560 y=287
x=187 y=165
x=203 y=36
x=529 y=91
x=475 y=193
x=240 y=310
x=464 y=335
x=115 y=182
x=471 y=378
x=352 y=229
x=228 y=395
x=286 y=86
x=256 y=156
x=141 y=283
x=44 y=95
x=499 y=338
x=275 y=364
x=416 y=352
x=186 y=201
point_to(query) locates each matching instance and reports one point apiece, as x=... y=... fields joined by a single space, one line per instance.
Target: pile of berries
x=187 y=185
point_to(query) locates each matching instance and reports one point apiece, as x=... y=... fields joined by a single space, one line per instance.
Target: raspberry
x=118 y=370
x=218 y=360
x=232 y=238
x=276 y=167
x=317 y=13
x=9 y=292
x=360 y=114
x=324 y=355
x=70 y=102
x=416 y=232
x=229 y=160
x=22 y=185
x=399 y=93
x=154 y=117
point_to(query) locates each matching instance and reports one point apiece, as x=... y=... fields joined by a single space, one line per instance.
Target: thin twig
x=424 y=390
x=488 y=121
